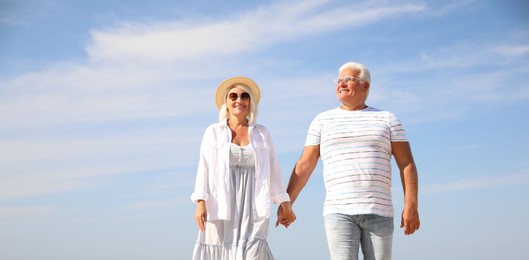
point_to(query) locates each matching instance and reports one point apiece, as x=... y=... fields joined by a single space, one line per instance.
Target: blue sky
x=103 y=105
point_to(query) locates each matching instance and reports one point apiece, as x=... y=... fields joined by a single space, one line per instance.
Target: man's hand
x=410 y=220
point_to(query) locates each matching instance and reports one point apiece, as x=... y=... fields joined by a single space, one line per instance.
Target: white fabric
x=355 y=147
x=213 y=171
x=241 y=156
x=243 y=237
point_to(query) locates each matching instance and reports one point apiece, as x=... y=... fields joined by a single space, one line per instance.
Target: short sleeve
x=314 y=132
x=397 y=132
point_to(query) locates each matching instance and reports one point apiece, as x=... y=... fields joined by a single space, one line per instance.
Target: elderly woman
x=238 y=178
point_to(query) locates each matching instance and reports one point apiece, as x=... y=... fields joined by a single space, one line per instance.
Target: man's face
x=350 y=89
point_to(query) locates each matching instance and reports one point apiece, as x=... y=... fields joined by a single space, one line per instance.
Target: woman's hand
x=201 y=215
x=285 y=214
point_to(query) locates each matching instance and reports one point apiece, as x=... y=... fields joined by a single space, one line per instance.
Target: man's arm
x=410 y=184
x=303 y=170
x=299 y=177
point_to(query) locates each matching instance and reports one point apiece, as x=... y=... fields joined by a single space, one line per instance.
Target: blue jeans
x=345 y=234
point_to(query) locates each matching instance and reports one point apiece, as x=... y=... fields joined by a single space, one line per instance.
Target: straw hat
x=225 y=85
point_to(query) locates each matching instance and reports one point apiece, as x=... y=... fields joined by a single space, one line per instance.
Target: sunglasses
x=234 y=96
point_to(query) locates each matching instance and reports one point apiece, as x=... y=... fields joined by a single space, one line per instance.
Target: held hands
x=285 y=214
x=201 y=215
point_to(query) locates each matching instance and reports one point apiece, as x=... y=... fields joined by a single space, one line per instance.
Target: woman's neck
x=237 y=122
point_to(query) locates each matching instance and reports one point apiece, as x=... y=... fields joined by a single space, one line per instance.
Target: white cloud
x=172 y=203
x=42 y=183
x=44 y=166
x=125 y=76
x=462 y=76
x=477 y=183
x=173 y=41
x=26 y=211
x=450 y=7
x=139 y=72
x=72 y=93
x=513 y=50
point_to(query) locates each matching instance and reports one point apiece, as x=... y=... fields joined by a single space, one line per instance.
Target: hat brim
x=226 y=84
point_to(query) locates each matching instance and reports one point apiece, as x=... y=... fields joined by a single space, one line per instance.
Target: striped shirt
x=355 y=147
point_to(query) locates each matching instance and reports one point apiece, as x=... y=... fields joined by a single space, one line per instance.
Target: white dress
x=243 y=236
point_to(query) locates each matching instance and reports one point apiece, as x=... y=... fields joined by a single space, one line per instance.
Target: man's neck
x=353 y=107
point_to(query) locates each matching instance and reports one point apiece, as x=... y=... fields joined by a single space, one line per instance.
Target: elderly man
x=356 y=143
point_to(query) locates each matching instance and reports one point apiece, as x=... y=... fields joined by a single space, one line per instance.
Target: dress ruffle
x=255 y=249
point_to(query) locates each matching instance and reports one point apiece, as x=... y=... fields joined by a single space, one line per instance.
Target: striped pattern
x=355 y=147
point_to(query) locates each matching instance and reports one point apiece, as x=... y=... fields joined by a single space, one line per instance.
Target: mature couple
x=238 y=176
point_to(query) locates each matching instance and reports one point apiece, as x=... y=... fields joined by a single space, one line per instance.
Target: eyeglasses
x=346 y=80
x=234 y=96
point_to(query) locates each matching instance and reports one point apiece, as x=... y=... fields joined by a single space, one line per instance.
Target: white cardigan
x=212 y=180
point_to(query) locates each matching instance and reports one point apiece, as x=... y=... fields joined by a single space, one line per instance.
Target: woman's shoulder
x=215 y=127
x=260 y=127
x=218 y=124
x=260 y=130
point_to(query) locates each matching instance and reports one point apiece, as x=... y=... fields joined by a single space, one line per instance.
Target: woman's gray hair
x=225 y=114
x=365 y=75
